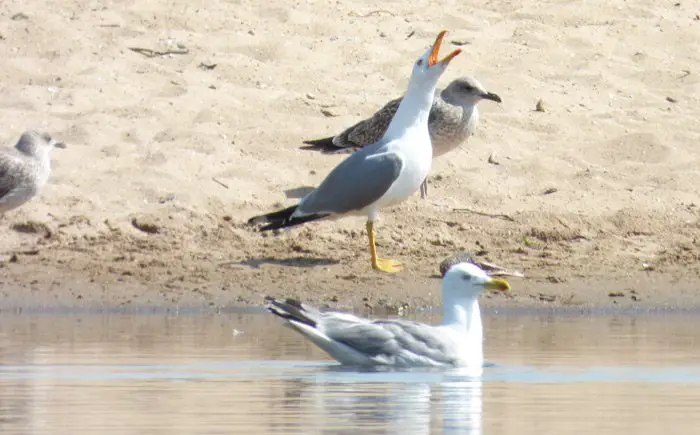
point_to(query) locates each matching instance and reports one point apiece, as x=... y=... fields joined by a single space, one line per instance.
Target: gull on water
x=453 y=118
x=384 y=173
x=356 y=341
x=25 y=169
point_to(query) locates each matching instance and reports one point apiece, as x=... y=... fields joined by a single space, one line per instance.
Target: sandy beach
x=183 y=120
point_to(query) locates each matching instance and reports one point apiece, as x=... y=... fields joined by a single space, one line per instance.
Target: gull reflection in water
x=407 y=402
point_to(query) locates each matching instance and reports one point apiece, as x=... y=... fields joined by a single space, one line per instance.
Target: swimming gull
x=25 y=169
x=384 y=173
x=454 y=117
x=356 y=341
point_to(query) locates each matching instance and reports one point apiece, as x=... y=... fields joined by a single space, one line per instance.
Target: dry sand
x=169 y=155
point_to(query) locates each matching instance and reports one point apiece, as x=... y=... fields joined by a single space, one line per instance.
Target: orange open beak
x=433 y=58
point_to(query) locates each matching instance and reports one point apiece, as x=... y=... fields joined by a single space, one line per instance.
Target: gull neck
x=414 y=108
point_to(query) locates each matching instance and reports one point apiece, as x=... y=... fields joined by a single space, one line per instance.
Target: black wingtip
x=289 y=309
x=275 y=217
x=292 y=222
x=296 y=303
x=323 y=143
x=326 y=146
x=282 y=219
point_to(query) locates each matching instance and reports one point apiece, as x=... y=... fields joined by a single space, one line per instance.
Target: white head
x=416 y=102
x=427 y=69
x=35 y=143
x=468 y=91
x=461 y=287
x=466 y=281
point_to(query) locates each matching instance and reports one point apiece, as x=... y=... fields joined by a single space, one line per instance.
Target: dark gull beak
x=491 y=96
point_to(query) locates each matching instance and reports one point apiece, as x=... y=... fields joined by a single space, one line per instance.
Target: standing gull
x=352 y=340
x=384 y=173
x=25 y=169
x=453 y=118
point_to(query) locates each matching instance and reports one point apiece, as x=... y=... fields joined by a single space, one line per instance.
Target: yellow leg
x=381 y=264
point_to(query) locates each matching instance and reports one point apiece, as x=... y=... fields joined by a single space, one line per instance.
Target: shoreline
x=65 y=293
x=192 y=260
x=486 y=309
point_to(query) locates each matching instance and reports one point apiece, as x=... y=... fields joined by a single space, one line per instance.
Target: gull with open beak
x=382 y=174
x=453 y=118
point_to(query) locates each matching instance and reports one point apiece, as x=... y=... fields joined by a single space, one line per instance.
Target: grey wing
x=370 y=130
x=10 y=171
x=387 y=339
x=421 y=339
x=355 y=183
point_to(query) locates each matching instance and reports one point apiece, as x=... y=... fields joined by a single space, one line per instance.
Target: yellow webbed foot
x=380 y=264
x=386 y=265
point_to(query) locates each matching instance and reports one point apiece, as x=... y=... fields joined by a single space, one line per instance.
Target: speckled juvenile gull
x=381 y=174
x=356 y=341
x=454 y=117
x=25 y=169
x=491 y=269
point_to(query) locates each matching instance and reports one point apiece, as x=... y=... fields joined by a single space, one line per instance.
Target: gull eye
x=467 y=277
x=420 y=62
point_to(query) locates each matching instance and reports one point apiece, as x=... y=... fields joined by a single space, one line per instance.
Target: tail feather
x=327 y=146
x=308 y=321
x=283 y=219
x=274 y=216
x=292 y=309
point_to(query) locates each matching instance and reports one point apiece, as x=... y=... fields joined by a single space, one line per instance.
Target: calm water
x=148 y=374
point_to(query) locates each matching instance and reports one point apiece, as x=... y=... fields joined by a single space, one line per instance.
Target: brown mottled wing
x=370 y=130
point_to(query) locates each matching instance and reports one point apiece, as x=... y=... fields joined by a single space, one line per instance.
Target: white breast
x=416 y=153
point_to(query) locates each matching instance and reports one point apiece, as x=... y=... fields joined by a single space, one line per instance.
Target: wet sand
x=594 y=199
